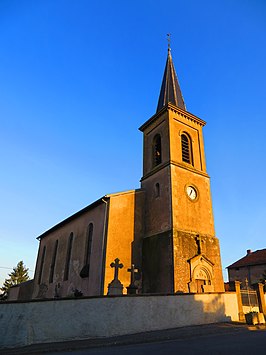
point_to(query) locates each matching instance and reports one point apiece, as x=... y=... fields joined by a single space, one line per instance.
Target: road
x=210 y=339
x=242 y=342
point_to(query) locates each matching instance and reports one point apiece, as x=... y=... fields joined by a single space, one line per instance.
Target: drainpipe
x=104 y=240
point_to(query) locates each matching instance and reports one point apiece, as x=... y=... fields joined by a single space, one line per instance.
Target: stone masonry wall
x=49 y=321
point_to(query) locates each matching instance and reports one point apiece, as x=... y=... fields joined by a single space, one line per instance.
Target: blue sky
x=77 y=79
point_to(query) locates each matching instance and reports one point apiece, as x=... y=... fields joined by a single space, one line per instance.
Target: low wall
x=66 y=319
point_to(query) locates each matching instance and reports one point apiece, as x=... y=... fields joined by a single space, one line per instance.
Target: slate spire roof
x=170 y=89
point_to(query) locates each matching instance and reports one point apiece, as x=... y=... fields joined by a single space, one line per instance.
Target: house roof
x=257 y=257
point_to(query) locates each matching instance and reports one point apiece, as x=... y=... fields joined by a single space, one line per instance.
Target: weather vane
x=169 y=41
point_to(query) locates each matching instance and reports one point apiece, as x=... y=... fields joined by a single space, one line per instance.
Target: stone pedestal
x=254 y=318
x=132 y=290
x=115 y=288
x=261 y=298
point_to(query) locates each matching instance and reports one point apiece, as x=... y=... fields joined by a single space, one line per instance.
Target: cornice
x=155 y=170
x=175 y=109
x=188 y=167
x=185 y=114
x=180 y=165
x=153 y=118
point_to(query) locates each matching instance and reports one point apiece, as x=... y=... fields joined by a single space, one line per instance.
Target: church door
x=200 y=286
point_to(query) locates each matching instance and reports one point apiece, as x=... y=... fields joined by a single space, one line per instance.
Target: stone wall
x=124 y=235
x=25 y=323
x=55 y=247
x=157 y=266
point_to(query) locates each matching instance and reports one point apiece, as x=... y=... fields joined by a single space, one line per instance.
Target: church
x=163 y=231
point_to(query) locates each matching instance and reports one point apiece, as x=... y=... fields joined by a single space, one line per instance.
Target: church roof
x=94 y=204
x=72 y=217
x=170 y=89
x=257 y=257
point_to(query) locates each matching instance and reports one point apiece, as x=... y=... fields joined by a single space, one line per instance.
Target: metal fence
x=249 y=298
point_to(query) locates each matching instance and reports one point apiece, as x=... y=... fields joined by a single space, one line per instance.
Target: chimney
x=249 y=252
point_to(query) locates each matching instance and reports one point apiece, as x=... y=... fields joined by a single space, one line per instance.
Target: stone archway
x=202 y=278
x=201 y=275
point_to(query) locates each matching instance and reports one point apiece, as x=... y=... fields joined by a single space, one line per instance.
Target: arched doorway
x=201 y=275
x=202 y=278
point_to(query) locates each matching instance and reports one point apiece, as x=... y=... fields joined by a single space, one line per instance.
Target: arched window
x=86 y=268
x=41 y=267
x=186 y=148
x=51 y=277
x=157 y=190
x=68 y=256
x=89 y=243
x=157 y=150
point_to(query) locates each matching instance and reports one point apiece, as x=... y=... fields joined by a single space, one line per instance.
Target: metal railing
x=249 y=298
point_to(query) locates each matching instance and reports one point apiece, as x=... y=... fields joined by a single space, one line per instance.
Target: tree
x=17 y=276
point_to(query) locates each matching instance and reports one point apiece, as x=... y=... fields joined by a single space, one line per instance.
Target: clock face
x=192 y=192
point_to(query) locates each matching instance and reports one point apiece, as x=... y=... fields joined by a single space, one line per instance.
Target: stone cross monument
x=115 y=287
x=132 y=288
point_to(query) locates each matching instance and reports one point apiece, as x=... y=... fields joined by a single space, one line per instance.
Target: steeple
x=170 y=89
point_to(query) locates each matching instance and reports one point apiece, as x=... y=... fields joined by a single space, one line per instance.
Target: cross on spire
x=169 y=41
x=117 y=266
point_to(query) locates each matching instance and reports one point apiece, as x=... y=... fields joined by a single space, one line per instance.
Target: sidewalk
x=139 y=338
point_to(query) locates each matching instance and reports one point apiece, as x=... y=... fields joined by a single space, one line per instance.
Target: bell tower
x=180 y=250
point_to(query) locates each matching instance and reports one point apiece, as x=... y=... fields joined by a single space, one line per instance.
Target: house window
x=51 y=278
x=68 y=257
x=157 y=150
x=42 y=263
x=186 y=148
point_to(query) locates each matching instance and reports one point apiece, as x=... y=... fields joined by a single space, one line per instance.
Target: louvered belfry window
x=186 y=148
x=157 y=150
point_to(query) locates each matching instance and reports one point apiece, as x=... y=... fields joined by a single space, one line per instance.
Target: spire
x=170 y=89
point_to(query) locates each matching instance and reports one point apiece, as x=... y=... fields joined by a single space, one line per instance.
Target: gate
x=249 y=300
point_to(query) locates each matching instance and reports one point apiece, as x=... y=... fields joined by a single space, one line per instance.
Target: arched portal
x=201 y=275
x=202 y=278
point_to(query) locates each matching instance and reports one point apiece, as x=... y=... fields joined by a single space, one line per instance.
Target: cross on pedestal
x=132 y=289
x=115 y=287
x=132 y=271
x=117 y=266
